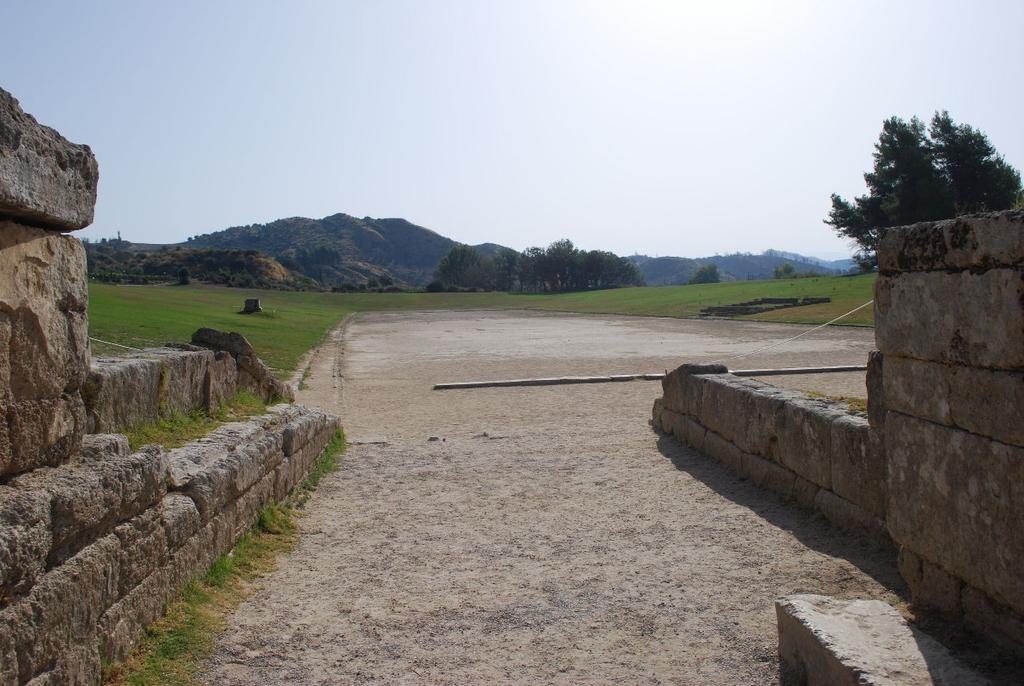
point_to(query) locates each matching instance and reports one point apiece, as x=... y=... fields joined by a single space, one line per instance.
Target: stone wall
x=95 y=538
x=939 y=460
x=949 y=318
x=812 y=450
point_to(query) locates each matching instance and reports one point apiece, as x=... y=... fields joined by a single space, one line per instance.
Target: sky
x=656 y=127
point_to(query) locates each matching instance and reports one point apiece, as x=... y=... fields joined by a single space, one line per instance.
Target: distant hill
x=343 y=249
x=667 y=271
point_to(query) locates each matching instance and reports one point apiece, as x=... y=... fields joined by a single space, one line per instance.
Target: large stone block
x=256 y=376
x=874 y=381
x=144 y=550
x=858 y=463
x=221 y=380
x=44 y=179
x=40 y=433
x=768 y=474
x=725 y=451
x=183 y=380
x=88 y=498
x=847 y=515
x=120 y=627
x=996 y=620
x=181 y=519
x=122 y=393
x=805 y=438
x=962 y=318
x=233 y=343
x=930 y=586
x=25 y=540
x=727 y=406
x=832 y=642
x=979 y=241
x=957 y=499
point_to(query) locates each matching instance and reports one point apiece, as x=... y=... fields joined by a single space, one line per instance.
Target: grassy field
x=292 y=323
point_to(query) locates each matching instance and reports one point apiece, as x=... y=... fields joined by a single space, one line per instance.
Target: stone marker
x=252 y=305
x=831 y=642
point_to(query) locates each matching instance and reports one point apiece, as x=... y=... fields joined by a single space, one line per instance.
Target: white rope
x=116 y=345
x=801 y=335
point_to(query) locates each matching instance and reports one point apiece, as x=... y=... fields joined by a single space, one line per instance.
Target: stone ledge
x=977 y=241
x=830 y=642
x=45 y=180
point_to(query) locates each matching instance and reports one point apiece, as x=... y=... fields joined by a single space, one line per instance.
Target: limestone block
x=143 y=542
x=960 y=318
x=805 y=438
x=876 y=389
x=768 y=474
x=656 y=414
x=683 y=387
x=858 y=463
x=221 y=380
x=929 y=585
x=121 y=393
x=181 y=519
x=805 y=492
x=103 y=446
x=849 y=516
x=233 y=343
x=87 y=498
x=301 y=425
x=60 y=613
x=957 y=499
x=255 y=376
x=979 y=241
x=826 y=641
x=727 y=406
x=216 y=470
x=918 y=388
x=120 y=627
x=183 y=380
x=724 y=451
x=763 y=426
x=40 y=432
x=44 y=179
x=993 y=619
x=25 y=540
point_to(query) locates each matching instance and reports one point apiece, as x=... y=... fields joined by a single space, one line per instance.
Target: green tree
x=923 y=174
x=706 y=274
x=786 y=270
x=465 y=267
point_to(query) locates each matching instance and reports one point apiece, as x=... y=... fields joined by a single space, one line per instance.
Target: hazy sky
x=671 y=128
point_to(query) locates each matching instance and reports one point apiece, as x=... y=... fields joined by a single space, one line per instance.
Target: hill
x=343 y=249
x=671 y=271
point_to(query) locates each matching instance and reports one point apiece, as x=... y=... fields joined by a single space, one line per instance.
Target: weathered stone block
x=87 y=498
x=978 y=241
x=727 y=406
x=831 y=642
x=805 y=439
x=874 y=380
x=233 y=343
x=656 y=414
x=44 y=179
x=805 y=492
x=41 y=432
x=768 y=474
x=143 y=549
x=847 y=515
x=993 y=619
x=957 y=499
x=183 y=378
x=25 y=540
x=929 y=585
x=858 y=463
x=181 y=519
x=103 y=447
x=724 y=451
x=255 y=376
x=120 y=627
x=221 y=380
x=121 y=393
x=918 y=388
x=958 y=318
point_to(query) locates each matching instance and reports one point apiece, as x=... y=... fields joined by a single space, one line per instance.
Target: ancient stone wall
x=95 y=538
x=949 y=321
x=813 y=450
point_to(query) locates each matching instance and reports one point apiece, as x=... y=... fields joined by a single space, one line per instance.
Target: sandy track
x=570 y=544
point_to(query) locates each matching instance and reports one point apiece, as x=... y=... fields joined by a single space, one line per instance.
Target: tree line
x=923 y=174
x=558 y=268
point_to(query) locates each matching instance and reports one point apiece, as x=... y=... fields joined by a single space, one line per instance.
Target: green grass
x=179 y=428
x=173 y=648
x=294 y=322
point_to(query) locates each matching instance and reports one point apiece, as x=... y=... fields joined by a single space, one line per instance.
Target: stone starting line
x=614 y=378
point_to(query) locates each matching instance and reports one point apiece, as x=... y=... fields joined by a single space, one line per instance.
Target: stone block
x=656 y=414
x=221 y=380
x=88 y=498
x=805 y=438
x=978 y=241
x=255 y=376
x=120 y=627
x=724 y=451
x=45 y=180
x=762 y=428
x=103 y=446
x=993 y=619
x=826 y=641
x=768 y=474
x=918 y=388
x=849 y=516
x=805 y=492
x=957 y=499
x=960 y=318
x=41 y=432
x=181 y=519
x=233 y=343
x=929 y=585
x=25 y=540
x=143 y=542
x=301 y=425
x=183 y=380
x=121 y=393
x=876 y=389
x=858 y=463
x=727 y=406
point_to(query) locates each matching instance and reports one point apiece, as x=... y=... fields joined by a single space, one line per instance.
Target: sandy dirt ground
x=547 y=535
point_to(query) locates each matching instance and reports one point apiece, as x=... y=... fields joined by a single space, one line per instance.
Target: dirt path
x=549 y=535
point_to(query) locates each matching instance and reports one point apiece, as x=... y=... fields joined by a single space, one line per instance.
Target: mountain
x=843 y=265
x=665 y=271
x=343 y=249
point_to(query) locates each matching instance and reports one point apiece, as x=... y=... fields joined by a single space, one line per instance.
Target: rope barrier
x=116 y=345
x=801 y=335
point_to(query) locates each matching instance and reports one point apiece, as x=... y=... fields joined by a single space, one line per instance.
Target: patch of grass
x=855 y=404
x=179 y=428
x=173 y=648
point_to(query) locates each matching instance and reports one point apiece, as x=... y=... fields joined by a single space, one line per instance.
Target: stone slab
x=960 y=318
x=979 y=241
x=805 y=438
x=957 y=499
x=830 y=642
x=122 y=393
x=929 y=585
x=40 y=433
x=858 y=463
x=44 y=179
